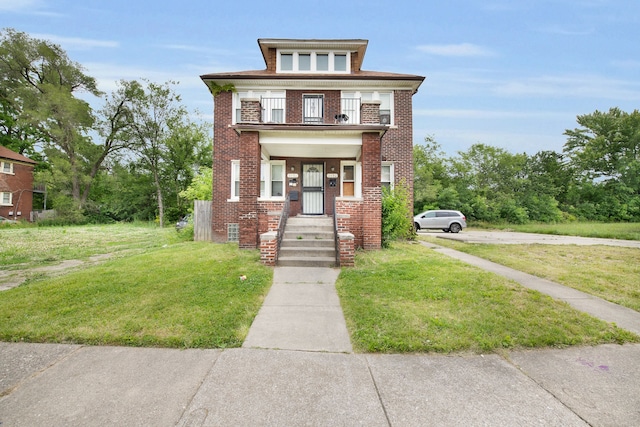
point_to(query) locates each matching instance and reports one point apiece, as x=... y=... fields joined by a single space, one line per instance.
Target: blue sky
x=511 y=74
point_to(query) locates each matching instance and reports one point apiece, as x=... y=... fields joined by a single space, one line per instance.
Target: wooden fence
x=202 y=220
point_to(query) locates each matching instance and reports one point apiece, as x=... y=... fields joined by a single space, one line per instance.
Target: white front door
x=313 y=189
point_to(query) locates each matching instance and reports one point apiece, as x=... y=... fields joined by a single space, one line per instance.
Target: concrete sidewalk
x=48 y=384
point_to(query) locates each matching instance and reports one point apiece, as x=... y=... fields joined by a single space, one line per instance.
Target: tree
x=430 y=174
x=38 y=86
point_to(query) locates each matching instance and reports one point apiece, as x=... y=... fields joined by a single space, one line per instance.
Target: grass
x=182 y=295
x=411 y=299
x=608 y=272
x=618 y=230
x=27 y=247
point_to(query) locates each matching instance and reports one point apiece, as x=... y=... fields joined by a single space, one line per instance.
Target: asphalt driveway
x=510 y=237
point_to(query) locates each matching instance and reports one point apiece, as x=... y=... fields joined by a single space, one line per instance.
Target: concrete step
x=307 y=243
x=306 y=252
x=296 y=261
x=308 y=235
x=310 y=228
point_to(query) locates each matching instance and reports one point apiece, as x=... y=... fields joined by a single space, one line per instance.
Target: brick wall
x=225 y=149
x=250 y=110
x=397 y=143
x=294 y=104
x=249 y=188
x=371 y=192
x=370 y=112
x=20 y=185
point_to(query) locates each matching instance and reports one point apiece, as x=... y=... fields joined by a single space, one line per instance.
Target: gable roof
x=5 y=153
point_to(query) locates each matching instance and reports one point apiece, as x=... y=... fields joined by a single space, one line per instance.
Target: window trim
x=235 y=177
x=2 y=203
x=267 y=171
x=313 y=61
x=357 y=179
x=3 y=164
x=391 y=174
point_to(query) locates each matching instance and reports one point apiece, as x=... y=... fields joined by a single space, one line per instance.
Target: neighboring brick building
x=16 y=185
x=312 y=128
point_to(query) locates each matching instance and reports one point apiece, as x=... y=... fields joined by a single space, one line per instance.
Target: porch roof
x=311 y=141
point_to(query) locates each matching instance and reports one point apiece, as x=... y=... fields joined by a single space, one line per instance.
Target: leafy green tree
x=430 y=174
x=397 y=220
x=200 y=188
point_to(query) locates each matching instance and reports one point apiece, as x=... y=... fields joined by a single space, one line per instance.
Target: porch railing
x=335 y=233
x=274 y=111
x=284 y=216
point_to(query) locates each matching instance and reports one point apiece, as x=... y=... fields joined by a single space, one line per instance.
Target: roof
x=290 y=79
x=5 y=153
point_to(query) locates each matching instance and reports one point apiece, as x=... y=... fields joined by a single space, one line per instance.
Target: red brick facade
x=17 y=184
x=328 y=142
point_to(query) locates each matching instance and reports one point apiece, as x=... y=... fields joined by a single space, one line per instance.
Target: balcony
x=274 y=110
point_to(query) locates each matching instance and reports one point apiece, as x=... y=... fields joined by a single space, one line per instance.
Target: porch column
x=371 y=192
x=249 y=189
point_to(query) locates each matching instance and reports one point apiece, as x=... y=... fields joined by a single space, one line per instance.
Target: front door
x=313 y=189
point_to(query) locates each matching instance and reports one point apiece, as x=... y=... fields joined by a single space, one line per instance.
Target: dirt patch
x=14 y=278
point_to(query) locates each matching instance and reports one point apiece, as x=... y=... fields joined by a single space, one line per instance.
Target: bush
x=397 y=220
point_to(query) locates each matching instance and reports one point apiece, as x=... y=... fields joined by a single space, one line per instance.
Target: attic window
x=313 y=62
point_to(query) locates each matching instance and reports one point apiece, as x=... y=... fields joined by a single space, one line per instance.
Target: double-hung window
x=272 y=179
x=350 y=179
x=7 y=167
x=386 y=175
x=235 y=180
x=6 y=199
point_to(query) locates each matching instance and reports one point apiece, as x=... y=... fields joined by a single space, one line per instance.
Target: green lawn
x=412 y=299
x=608 y=272
x=182 y=295
x=617 y=230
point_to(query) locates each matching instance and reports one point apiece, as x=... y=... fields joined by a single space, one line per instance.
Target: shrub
x=397 y=220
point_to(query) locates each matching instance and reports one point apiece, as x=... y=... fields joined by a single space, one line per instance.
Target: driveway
x=510 y=237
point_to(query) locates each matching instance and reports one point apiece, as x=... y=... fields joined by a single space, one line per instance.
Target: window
x=235 y=179
x=233 y=232
x=312 y=105
x=5 y=199
x=322 y=62
x=286 y=62
x=272 y=179
x=304 y=62
x=386 y=179
x=350 y=103
x=7 y=167
x=340 y=62
x=309 y=62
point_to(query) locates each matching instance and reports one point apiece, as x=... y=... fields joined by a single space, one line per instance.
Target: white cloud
x=461 y=50
x=29 y=7
x=75 y=43
x=577 y=86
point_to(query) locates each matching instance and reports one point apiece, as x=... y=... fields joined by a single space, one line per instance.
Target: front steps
x=308 y=241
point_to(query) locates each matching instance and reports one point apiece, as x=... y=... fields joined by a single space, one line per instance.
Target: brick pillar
x=346 y=246
x=370 y=112
x=371 y=191
x=249 y=189
x=250 y=110
x=269 y=248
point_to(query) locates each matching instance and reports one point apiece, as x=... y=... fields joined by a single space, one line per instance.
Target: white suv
x=447 y=221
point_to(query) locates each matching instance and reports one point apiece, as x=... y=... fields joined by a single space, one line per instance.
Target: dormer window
x=313 y=62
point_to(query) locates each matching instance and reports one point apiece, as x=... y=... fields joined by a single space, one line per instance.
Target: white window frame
x=235 y=177
x=10 y=198
x=236 y=103
x=314 y=63
x=391 y=174
x=371 y=95
x=266 y=179
x=4 y=164
x=357 y=184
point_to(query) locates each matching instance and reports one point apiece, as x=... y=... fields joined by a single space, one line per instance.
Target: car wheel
x=416 y=226
x=446 y=230
x=455 y=228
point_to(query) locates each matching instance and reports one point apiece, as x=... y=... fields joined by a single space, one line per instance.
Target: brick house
x=16 y=185
x=312 y=134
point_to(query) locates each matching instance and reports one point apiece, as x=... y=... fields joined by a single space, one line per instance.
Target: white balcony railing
x=274 y=111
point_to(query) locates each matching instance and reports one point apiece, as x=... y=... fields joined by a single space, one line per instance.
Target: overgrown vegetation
x=397 y=222
x=409 y=298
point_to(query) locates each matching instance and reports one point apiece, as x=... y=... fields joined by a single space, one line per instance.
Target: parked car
x=447 y=221
x=4 y=220
x=182 y=223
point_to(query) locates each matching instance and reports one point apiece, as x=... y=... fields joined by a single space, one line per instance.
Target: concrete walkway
x=301 y=312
